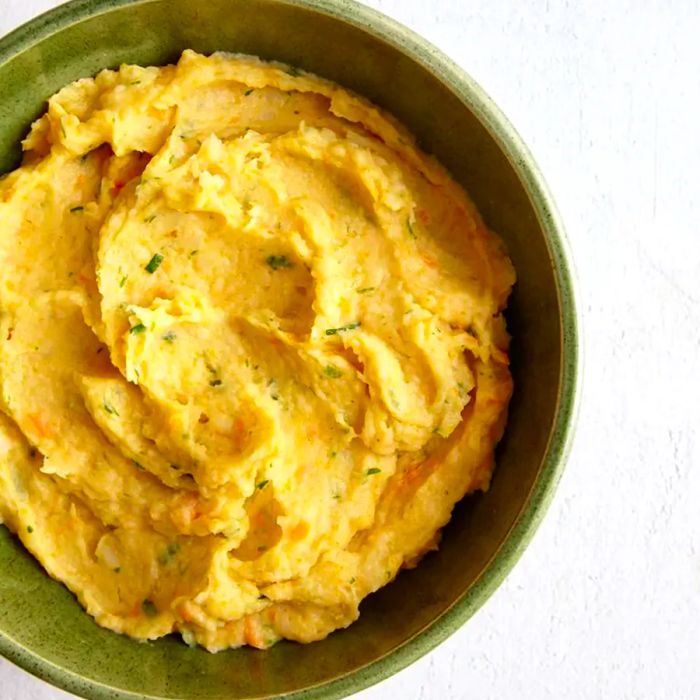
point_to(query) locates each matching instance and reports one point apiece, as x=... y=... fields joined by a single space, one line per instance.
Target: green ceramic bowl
x=42 y=628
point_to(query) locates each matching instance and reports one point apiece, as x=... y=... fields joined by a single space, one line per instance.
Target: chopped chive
x=30 y=529
x=192 y=253
x=248 y=91
x=149 y=608
x=278 y=261
x=123 y=280
x=411 y=232
x=154 y=263
x=215 y=382
x=366 y=290
x=134 y=82
x=138 y=328
x=138 y=465
x=348 y=327
x=110 y=409
x=75 y=210
x=372 y=471
x=169 y=337
x=166 y=556
x=262 y=484
x=148 y=220
x=332 y=371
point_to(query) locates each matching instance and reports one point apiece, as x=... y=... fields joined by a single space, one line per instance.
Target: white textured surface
x=606 y=601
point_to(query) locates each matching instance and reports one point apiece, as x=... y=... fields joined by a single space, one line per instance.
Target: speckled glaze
x=42 y=628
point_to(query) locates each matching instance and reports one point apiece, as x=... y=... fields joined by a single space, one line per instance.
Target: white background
x=606 y=601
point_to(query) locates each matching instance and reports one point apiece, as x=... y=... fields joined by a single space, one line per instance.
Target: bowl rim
x=560 y=439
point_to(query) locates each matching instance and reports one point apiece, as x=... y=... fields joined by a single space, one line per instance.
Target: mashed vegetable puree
x=251 y=350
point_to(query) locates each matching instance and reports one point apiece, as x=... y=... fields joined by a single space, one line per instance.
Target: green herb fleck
x=166 y=556
x=135 y=82
x=332 y=371
x=293 y=71
x=372 y=471
x=278 y=261
x=63 y=129
x=262 y=484
x=214 y=371
x=366 y=290
x=110 y=409
x=248 y=91
x=123 y=280
x=352 y=580
x=169 y=337
x=348 y=327
x=30 y=529
x=138 y=465
x=76 y=210
x=149 y=608
x=117 y=570
x=192 y=253
x=154 y=263
x=138 y=328
x=409 y=226
x=148 y=220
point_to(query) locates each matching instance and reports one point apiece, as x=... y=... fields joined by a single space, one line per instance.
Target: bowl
x=42 y=627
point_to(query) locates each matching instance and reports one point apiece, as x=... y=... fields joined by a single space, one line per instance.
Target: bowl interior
x=41 y=625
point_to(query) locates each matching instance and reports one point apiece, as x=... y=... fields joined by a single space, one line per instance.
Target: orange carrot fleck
x=252 y=633
x=299 y=531
x=39 y=424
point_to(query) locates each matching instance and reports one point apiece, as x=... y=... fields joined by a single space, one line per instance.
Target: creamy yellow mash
x=251 y=350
